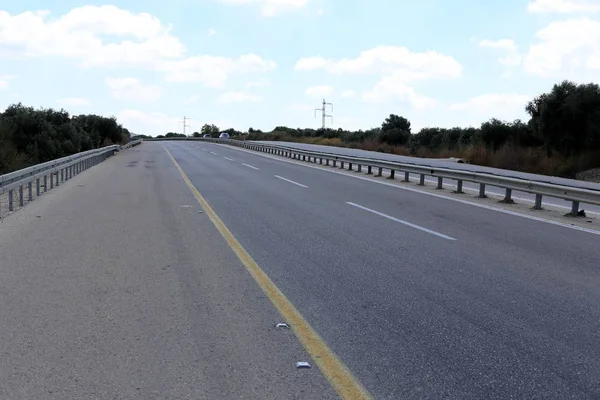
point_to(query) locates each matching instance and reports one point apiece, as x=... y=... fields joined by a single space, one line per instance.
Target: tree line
x=30 y=136
x=561 y=137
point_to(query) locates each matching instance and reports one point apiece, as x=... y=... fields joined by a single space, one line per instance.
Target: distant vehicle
x=206 y=135
x=224 y=135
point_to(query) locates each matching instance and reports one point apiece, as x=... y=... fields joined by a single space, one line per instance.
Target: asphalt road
x=518 y=196
x=509 y=309
x=114 y=286
x=122 y=289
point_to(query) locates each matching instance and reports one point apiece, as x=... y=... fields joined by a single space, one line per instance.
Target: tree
x=196 y=134
x=395 y=130
x=211 y=130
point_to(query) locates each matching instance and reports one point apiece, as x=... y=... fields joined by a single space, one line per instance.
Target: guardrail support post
x=303 y=157
x=62 y=174
x=538 y=202
x=10 y=200
x=321 y=160
x=422 y=180
x=21 y=196
x=57 y=179
x=334 y=163
x=369 y=170
x=459 y=185
x=349 y=166
x=482 y=190
x=37 y=187
x=341 y=164
x=406 y=177
x=359 y=168
x=392 y=174
x=45 y=183
x=30 y=191
x=327 y=162
x=380 y=173
x=440 y=184
x=574 y=208
x=508 y=197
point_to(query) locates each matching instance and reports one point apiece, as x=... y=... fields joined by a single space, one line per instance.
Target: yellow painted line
x=340 y=377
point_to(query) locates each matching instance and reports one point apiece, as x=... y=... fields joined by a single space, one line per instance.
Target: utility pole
x=323 y=110
x=184 y=123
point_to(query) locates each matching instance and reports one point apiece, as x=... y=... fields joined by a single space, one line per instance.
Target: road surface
x=123 y=289
x=517 y=195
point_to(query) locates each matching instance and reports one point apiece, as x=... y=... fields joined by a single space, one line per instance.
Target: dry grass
x=533 y=160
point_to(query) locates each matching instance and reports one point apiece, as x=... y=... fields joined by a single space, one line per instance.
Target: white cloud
x=4 y=79
x=512 y=57
x=82 y=34
x=566 y=49
x=270 y=8
x=394 y=87
x=504 y=44
x=74 y=101
x=319 y=91
x=138 y=40
x=132 y=89
x=192 y=99
x=238 y=97
x=388 y=59
x=504 y=106
x=211 y=32
x=149 y=123
x=213 y=71
x=563 y=6
x=349 y=94
x=258 y=83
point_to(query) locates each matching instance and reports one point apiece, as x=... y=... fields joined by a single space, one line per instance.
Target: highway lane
x=115 y=285
x=507 y=310
x=517 y=195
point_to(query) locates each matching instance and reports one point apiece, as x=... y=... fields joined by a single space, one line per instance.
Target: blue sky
x=263 y=63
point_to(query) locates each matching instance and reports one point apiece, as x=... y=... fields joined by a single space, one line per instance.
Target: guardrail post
x=334 y=163
x=359 y=168
x=392 y=174
x=303 y=157
x=380 y=173
x=538 y=202
x=37 y=187
x=422 y=180
x=10 y=200
x=369 y=170
x=30 y=191
x=482 y=190
x=440 y=184
x=341 y=164
x=62 y=174
x=57 y=177
x=508 y=197
x=21 y=196
x=45 y=183
x=321 y=160
x=574 y=208
x=406 y=177
x=459 y=185
x=327 y=162
x=349 y=166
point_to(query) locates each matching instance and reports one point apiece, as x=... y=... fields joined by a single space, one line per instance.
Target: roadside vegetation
x=561 y=137
x=30 y=136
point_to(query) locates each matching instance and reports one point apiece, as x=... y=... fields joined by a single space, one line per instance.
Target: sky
x=264 y=63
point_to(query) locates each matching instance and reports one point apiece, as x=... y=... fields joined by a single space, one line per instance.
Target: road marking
x=204 y=150
x=290 y=181
x=340 y=377
x=212 y=152
x=249 y=166
x=401 y=221
x=230 y=159
x=467 y=202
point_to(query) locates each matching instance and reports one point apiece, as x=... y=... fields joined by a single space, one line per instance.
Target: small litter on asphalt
x=80 y=185
x=302 y=364
x=282 y=325
x=200 y=212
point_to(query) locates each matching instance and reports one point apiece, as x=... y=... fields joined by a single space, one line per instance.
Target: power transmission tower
x=323 y=110
x=184 y=124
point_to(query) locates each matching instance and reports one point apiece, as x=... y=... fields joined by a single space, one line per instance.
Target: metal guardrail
x=573 y=194
x=58 y=171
